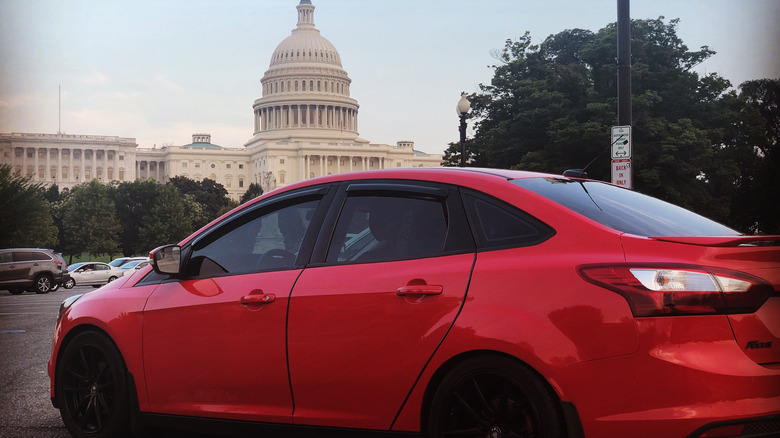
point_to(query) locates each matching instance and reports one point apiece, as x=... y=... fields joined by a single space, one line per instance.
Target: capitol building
x=305 y=125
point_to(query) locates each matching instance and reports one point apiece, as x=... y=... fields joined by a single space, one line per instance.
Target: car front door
x=372 y=308
x=214 y=340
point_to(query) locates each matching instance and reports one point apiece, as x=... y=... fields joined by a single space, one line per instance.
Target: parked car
x=118 y=262
x=440 y=302
x=30 y=269
x=94 y=274
x=134 y=264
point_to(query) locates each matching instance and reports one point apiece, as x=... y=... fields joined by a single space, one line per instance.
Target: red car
x=436 y=302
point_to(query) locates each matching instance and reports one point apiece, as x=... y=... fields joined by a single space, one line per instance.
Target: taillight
x=59 y=264
x=661 y=290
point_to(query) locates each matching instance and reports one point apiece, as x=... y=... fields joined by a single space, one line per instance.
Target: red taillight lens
x=59 y=265
x=660 y=290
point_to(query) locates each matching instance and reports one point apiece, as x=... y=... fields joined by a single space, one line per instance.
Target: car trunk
x=757 y=332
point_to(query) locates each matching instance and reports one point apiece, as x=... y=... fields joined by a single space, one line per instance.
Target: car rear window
x=624 y=210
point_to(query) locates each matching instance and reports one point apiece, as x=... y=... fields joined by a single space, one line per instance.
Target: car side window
x=500 y=225
x=6 y=257
x=385 y=228
x=102 y=268
x=37 y=255
x=266 y=240
x=23 y=256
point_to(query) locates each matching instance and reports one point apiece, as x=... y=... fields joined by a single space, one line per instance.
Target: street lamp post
x=463 y=109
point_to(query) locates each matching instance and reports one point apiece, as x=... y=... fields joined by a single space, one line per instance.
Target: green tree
x=253 y=191
x=212 y=196
x=756 y=152
x=696 y=142
x=134 y=202
x=168 y=220
x=26 y=219
x=89 y=220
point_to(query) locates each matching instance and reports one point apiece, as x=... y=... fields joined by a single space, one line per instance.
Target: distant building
x=305 y=125
x=68 y=160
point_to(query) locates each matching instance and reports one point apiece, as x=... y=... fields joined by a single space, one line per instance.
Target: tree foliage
x=167 y=221
x=696 y=141
x=26 y=219
x=253 y=191
x=89 y=220
x=211 y=195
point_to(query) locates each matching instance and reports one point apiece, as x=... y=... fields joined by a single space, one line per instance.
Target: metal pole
x=463 y=140
x=624 y=62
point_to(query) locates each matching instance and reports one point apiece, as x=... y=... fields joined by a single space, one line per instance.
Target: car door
x=371 y=309
x=15 y=267
x=85 y=275
x=100 y=273
x=214 y=339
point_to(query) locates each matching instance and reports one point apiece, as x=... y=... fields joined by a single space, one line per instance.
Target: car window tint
x=102 y=268
x=23 y=256
x=37 y=255
x=500 y=225
x=266 y=241
x=624 y=210
x=6 y=257
x=384 y=228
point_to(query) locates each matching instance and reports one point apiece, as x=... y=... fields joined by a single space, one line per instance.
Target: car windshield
x=117 y=262
x=624 y=210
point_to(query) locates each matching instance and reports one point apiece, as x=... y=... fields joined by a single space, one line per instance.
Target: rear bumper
x=688 y=375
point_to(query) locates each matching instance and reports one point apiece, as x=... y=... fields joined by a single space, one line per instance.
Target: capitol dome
x=305 y=89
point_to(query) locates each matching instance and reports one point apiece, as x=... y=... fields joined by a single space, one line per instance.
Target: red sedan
x=436 y=302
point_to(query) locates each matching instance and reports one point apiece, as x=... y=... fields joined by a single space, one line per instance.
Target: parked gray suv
x=30 y=269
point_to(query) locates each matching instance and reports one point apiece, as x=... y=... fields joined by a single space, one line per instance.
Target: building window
x=241 y=182
x=197 y=165
x=183 y=165
x=281 y=161
x=227 y=165
x=240 y=166
x=213 y=165
x=121 y=158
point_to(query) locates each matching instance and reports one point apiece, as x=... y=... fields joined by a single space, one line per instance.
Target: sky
x=161 y=70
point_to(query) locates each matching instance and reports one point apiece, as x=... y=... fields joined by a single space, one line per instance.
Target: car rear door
x=377 y=300
x=214 y=340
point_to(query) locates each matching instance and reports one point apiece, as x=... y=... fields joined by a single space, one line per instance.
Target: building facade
x=305 y=125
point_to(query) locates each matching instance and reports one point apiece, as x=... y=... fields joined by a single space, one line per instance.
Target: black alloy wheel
x=91 y=388
x=43 y=284
x=494 y=397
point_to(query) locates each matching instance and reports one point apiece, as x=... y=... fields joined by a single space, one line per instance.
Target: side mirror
x=166 y=259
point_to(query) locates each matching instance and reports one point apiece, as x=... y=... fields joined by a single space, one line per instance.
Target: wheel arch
x=445 y=368
x=75 y=331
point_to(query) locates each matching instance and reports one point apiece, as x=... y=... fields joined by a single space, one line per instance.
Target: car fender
x=120 y=318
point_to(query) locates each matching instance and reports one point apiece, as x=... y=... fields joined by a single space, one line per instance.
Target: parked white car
x=94 y=274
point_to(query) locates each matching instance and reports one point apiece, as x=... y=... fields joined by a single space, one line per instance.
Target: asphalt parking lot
x=26 y=331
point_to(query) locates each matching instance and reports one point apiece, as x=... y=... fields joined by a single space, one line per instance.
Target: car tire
x=111 y=278
x=494 y=396
x=69 y=283
x=92 y=388
x=43 y=284
x=16 y=291
x=55 y=287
